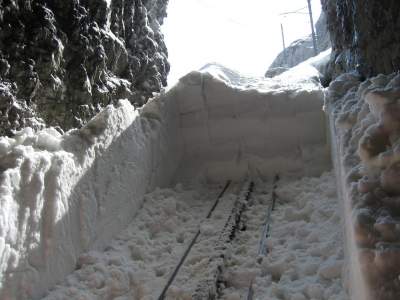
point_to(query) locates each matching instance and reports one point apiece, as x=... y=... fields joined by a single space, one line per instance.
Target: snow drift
x=65 y=194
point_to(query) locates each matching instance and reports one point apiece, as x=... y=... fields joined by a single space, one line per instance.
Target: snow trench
x=63 y=195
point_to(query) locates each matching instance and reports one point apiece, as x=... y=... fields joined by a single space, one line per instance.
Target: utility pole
x=284 y=46
x=312 y=28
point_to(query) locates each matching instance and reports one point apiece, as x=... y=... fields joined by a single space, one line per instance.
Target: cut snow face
x=365 y=122
x=233 y=124
x=64 y=195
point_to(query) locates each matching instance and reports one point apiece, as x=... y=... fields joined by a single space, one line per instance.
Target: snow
x=232 y=122
x=64 y=194
x=305 y=259
x=305 y=248
x=204 y=258
x=364 y=121
x=137 y=263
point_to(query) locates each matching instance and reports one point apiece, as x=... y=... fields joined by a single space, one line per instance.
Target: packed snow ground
x=305 y=259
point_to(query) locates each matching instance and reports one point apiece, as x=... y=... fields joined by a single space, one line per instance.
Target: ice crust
x=66 y=194
x=365 y=126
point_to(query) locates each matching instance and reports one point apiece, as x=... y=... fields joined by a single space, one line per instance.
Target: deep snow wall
x=364 y=36
x=233 y=126
x=364 y=113
x=365 y=124
x=61 y=195
x=61 y=61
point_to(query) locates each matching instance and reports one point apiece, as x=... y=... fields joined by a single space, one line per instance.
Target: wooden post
x=284 y=46
x=312 y=28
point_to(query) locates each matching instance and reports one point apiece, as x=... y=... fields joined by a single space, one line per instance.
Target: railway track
x=193 y=244
x=210 y=284
x=198 y=272
x=266 y=228
x=263 y=250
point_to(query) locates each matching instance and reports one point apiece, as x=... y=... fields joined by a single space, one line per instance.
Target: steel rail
x=193 y=241
x=209 y=287
x=262 y=249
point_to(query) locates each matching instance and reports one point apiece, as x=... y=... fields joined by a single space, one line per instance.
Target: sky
x=244 y=35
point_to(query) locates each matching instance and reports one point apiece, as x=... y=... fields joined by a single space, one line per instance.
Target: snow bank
x=233 y=124
x=64 y=194
x=365 y=123
x=139 y=261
